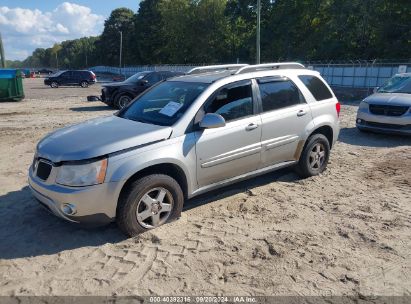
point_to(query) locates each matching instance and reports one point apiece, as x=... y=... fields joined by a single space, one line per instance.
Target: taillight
x=338 y=108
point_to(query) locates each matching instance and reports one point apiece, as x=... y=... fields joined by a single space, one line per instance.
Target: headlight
x=363 y=105
x=78 y=175
x=34 y=163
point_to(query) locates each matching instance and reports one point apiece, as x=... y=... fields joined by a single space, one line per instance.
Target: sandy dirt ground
x=346 y=232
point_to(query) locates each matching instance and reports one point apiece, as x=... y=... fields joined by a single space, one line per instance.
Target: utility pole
x=121 y=47
x=3 y=60
x=57 y=61
x=258 y=30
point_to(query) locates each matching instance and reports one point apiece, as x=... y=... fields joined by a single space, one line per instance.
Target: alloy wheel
x=123 y=101
x=317 y=156
x=154 y=207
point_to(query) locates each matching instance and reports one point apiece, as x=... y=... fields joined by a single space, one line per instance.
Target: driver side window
x=66 y=75
x=233 y=102
x=153 y=78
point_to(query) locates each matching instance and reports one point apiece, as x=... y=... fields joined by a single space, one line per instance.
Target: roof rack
x=211 y=68
x=269 y=66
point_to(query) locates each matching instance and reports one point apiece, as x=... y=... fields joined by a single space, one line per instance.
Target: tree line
x=224 y=31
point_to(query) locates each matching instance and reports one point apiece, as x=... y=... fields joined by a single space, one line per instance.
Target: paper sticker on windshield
x=171 y=108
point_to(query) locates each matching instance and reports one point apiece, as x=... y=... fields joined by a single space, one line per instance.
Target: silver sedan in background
x=388 y=110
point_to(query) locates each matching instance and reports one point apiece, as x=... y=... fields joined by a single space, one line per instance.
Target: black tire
x=122 y=100
x=305 y=167
x=131 y=199
x=84 y=84
x=54 y=85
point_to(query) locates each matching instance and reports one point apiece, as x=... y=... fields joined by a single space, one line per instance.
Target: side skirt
x=245 y=176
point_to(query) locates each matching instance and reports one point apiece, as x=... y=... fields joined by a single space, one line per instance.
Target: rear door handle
x=251 y=126
x=301 y=113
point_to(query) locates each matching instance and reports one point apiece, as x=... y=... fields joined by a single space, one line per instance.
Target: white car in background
x=388 y=110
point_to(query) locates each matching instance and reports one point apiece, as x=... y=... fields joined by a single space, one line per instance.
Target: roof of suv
x=263 y=69
x=203 y=78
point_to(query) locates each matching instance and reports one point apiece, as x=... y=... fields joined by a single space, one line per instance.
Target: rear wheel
x=122 y=101
x=148 y=203
x=54 y=85
x=314 y=158
x=84 y=84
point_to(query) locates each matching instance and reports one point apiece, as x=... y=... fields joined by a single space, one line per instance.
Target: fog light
x=359 y=120
x=69 y=209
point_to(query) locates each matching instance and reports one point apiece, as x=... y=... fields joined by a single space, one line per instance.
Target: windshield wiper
x=138 y=120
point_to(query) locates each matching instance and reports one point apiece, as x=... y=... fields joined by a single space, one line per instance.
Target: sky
x=29 y=24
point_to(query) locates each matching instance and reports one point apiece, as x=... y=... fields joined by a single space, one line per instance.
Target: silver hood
x=395 y=99
x=98 y=137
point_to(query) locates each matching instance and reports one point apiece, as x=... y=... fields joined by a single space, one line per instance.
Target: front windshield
x=165 y=103
x=397 y=84
x=136 y=77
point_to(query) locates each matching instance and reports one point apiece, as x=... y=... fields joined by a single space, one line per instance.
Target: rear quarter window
x=316 y=86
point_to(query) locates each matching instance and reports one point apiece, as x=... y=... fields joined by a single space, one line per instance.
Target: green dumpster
x=11 y=85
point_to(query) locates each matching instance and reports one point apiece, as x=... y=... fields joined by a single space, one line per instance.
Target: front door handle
x=301 y=113
x=251 y=126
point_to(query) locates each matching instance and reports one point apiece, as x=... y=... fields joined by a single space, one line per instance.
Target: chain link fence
x=352 y=74
x=359 y=74
x=128 y=71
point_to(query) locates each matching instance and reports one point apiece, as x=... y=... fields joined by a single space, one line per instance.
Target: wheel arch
x=170 y=169
x=325 y=130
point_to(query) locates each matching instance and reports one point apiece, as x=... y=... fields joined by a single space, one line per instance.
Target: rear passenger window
x=316 y=87
x=232 y=103
x=279 y=94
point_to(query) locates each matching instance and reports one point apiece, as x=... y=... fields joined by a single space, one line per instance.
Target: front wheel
x=314 y=158
x=54 y=85
x=122 y=101
x=148 y=203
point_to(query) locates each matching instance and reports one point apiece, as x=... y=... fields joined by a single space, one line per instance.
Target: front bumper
x=384 y=124
x=94 y=205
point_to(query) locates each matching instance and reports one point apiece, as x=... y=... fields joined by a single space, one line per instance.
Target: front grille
x=388 y=110
x=104 y=94
x=43 y=170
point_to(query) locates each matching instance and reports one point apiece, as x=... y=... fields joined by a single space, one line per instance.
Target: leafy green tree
x=218 y=31
x=120 y=20
x=149 y=42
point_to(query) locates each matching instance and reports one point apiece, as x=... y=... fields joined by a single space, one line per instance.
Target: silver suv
x=185 y=136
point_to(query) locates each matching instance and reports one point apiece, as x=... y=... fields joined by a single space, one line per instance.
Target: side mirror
x=212 y=120
x=143 y=82
x=375 y=89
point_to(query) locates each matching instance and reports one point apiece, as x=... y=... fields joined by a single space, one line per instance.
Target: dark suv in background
x=71 y=78
x=119 y=94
